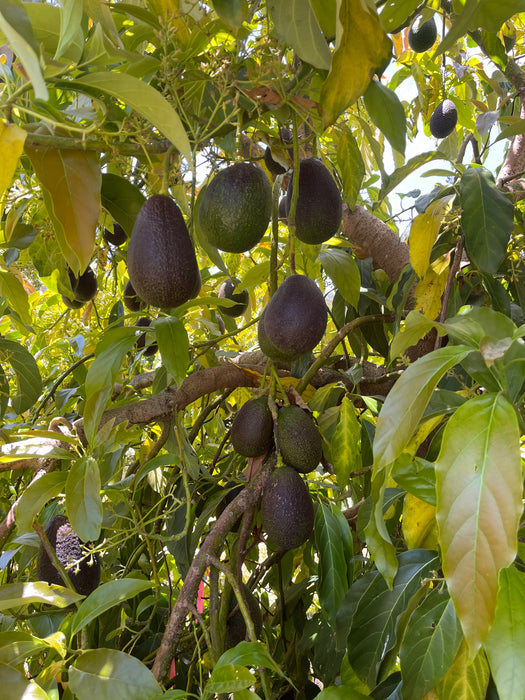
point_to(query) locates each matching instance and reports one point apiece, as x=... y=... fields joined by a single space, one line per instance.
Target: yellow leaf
x=71 y=182
x=419 y=523
x=429 y=290
x=465 y=680
x=424 y=231
x=12 y=139
x=362 y=49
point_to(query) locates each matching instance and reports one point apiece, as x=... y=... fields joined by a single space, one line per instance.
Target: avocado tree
x=382 y=391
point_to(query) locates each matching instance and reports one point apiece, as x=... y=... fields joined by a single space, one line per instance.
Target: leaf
x=429 y=290
x=487 y=219
x=419 y=523
x=406 y=402
x=505 y=641
x=174 y=346
x=108 y=674
x=333 y=579
x=479 y=487
x=423 y=233
x=417 y=476
x=228 y=679
x=326 y=11
x=417 y=325
x=351 y=167
x=70 y=23
x=15 y=685
x=430 y=644
x=28 y=376
x=16 y=647
x=390 y=182
x=492 y=14
x=248 y=654
x=15 y=25
x=122 y=199
x=342 y=269
x=15 y=595
x=13 y=289
x=35 y=496
x=346 y=443
x=232 y=12
x=387 y=113
x=460 y=26
x=255 y=276
x=340 y=692
x=362 y=49
x=83 y=500
x=466 y=680
x=143 y=98
x=71 y=188
x=377 y=538
x=296 y=25
x=12 y=140
x=395 y=13
x=105 y=597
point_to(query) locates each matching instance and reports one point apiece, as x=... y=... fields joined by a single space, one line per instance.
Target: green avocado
x=161 y=258
x=252 y=428
x=300 y=442
x=287 y=511
x=236 y=208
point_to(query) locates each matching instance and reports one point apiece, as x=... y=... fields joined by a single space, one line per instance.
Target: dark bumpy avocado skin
x=85 y=576
x=131 y=300
x=299 y=439
x=252 y=428
x=144 y=322
x=84 y=287
x=118 y=237
x=294 y=320
x=443 y=120
x=235 y=624
x=287 y=511
x=236 y=207
x=319 y=206
x=242 y=298
x=161 y=258
x=422 y=35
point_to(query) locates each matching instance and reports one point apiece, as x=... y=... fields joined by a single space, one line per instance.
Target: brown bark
x=514 y=164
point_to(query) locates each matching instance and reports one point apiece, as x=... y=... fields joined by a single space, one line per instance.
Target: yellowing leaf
x=12 y=139
x=429 y=290
x=423 y=233
x=71 y=182
x=363 y=48
x=419 y=523
x=466 y=680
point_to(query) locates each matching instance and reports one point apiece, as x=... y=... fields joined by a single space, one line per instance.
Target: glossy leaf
x=429 y=290
x=228 y=679
x=362 y=49
x=351 y=167
x=346 y=443
x=392 y=181
x=174 y=346
x=105 y=597
x=71 y=183
x=296 y=25
x=12 y=139
x=466 y=679
x=46 y=24
x=15 y=685
x=487 y=219
x=70 y=20
x=35 y=496
x=387 y=113
x=430 y=644
x=232 y=12
x=423 y=233
x=29 y=381
x=14 y=595
x=108 y=674
x=326 y=11
x=122 y=199
x=419 y=523
x=340 y=692
x=83 y=500
x=13 y=289
x=417 y=476
x=344 y=273
x=16 y=647
x=377 y=538
x=505 y=642
x=395 y=13
x=416 y=326
x=491 y=14
x=479 y=487
x=406 y=402
x=248 y=654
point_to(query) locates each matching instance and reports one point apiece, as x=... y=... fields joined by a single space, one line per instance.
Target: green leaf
x=16 y=686
x=406 y=402
x=492 y=14
x=460 y=26
x=395 y=13
x=417 y=476
x=143 y=98
x=351 y=167
x=505 y=641
x=340 y=692
x=29 y=382
x=326 y=11
x=228 y=679
x=363 y=48
x=16 y=647
x=487 y=219
x=342 y=269
x=232 y=12
x=108 y=674
x=105 y=597
x=387 y=113
x=248 y=654
x=479 y=490
x=13 y=289
x=417 y=325
x=174 y=346
x=430 y=644
x=390 y=182
x=467 y=679
x=346 y=443
x=15 y=595
x=296 y=25
x=122 y=199
x=376 y=533
x=35 y=496
x=83 y=500
x=255 y=276
x=70 y=24
x=333 y=579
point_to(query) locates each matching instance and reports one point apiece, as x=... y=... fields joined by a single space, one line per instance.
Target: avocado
x=131 y=300
x=300 y=441
x=226 y=291
x=422 y=35
x=295 y=318
x=144 y=322
x=283 y=208
x=83 y=570
x=287 y=511
x=161 y=258
x=443 y=119
x=118 y=237
x=319 y=205
x=84 y=287
x=252 y=428
x=274 y=166
x=72 y=303
x=235 y=624
x=236 y=207
x=267 y=347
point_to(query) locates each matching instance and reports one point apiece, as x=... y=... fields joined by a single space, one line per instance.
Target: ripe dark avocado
x=72 y=303
x=287 y=511
x=273 y=165
x=131 y=299
x=235 y=624
x=144 y=322
x=84 y=287
x=241 y=298
x=422 y=35
x=443 y=120
x=118 y=237
x=300 y=442
x=283 y=208
x=319 y=205
x=161 y=258
x=294 y=320
x=252 y=428
x=267 y=347
x=83 y=571
x=236 y=207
